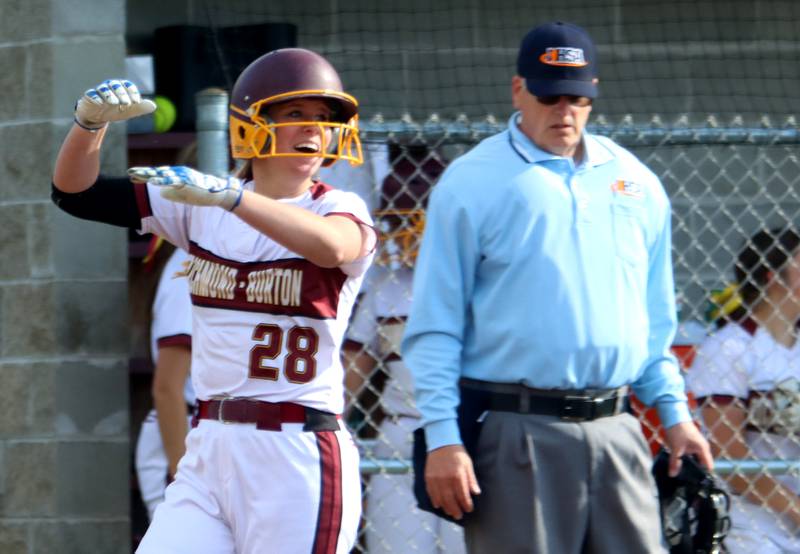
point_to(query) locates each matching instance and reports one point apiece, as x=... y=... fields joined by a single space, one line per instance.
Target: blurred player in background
x=161 y=438
x=746 y=377
x=277 y=259
x=373 y=341
x=543 y=291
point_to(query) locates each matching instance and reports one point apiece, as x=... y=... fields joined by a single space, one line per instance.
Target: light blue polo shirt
x=535 y=271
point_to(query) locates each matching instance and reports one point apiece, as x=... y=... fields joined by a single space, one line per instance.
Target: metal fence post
x=212 y=131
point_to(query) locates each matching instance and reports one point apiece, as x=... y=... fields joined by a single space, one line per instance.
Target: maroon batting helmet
x=283 y=75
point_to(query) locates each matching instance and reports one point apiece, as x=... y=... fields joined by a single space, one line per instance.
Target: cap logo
x=564 y=56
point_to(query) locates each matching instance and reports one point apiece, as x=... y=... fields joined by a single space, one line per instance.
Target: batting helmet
x=404 y=195
x=283 y=75
x=694 y=509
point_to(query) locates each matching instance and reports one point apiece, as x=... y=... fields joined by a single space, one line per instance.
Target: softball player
x=161 y=440
x=747 y=379
x=277 y=259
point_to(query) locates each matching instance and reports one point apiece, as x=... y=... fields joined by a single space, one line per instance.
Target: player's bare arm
x=78 y=161
x=326 y=241
x=450 y=480
x=169 y=377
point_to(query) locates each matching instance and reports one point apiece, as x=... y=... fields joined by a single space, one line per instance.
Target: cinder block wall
x=64 y=452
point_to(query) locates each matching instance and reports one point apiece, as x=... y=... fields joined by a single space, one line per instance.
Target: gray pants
x=556 y=487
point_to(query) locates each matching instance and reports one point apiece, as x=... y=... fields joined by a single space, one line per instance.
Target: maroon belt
x=268 y=416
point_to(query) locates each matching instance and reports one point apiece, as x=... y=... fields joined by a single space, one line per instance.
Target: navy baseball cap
x=558 y=58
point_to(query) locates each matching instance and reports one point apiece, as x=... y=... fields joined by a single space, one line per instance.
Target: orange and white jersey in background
x=267 y=324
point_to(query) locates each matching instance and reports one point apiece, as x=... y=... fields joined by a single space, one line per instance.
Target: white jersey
x=749 y=364
x=762 y=372
x=267 y=324
x=378 y=324
x=172 y=312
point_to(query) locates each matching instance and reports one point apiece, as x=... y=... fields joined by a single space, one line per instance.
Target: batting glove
x=111 y=100
x=184 y=184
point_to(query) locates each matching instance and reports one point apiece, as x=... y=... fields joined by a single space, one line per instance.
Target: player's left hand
x=685 y=438
x=111 y=100
x=186 y=185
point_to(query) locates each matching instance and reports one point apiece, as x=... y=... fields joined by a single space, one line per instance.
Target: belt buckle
x=219 y=412
x=571 y=406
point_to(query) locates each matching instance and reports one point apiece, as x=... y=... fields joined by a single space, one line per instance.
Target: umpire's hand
x=685 y=438
x=450 y=480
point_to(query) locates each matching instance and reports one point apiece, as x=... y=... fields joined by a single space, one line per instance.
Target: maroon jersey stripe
x=319 y=188
x=142 y=200
x=352 y=217
x=293 y=287
x=329 y=518
x=348 y=215
x=175 y=340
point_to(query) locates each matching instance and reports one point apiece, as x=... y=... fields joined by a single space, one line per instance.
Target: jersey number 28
x=299 y=365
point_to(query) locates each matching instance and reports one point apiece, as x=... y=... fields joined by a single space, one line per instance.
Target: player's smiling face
x=556 y=128
x=302 y=135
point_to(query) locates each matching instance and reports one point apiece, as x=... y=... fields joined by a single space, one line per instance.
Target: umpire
x=543 y=294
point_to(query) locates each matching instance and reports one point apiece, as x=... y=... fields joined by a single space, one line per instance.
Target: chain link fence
x=726 y=184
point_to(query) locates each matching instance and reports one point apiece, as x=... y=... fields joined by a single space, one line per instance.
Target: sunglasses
x=579 y=101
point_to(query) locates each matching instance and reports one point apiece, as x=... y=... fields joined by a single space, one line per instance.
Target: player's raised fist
x=111 y=100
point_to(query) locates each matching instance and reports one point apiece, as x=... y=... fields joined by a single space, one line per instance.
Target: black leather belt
x=569 y=405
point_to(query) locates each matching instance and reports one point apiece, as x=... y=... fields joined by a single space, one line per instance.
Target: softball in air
x=165 y=114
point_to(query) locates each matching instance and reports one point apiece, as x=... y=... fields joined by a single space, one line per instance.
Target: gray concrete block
x=31 y=480
x=69 y=17
x=25 y=165
x=81 y=64
x=15 y=537
x=91 y=399
x=114 y=157
x=93 y=479
x=40 y=254
x=80 y=537
x=64 y=399
x=25 y=395
x=27 y=325
x=44 y=319
x=13 y=242
x=92 y=317
x=39 y=83
x=12 y=81
x=22 y=20
x=86 y=249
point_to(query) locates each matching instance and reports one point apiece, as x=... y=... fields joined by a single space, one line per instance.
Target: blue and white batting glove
x=186 y=185
x=111 y=100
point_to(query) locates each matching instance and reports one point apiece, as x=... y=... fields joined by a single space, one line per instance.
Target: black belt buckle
x=579 y=408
